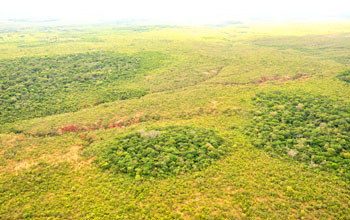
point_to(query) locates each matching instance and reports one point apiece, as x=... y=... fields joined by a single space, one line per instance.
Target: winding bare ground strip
x=264 y=79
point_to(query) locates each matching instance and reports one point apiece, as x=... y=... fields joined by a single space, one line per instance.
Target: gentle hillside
x=241 y=121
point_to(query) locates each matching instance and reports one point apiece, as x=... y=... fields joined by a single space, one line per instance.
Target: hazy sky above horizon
x=175 y=10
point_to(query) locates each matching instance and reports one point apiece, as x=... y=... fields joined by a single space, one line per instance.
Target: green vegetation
x=162 y=151
x=237 y=121
x=40 y=86
x=309 y=128
x=344 y=76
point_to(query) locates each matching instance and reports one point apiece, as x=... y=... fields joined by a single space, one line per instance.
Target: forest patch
x=160 y=152
x=41 y=86
x=309 y=128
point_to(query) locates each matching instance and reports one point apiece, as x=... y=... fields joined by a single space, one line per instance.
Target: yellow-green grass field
x=69 y=92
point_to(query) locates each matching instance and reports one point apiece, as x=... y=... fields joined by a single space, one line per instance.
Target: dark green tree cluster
x=40 y=86
x=344 y=76
x=309 y=128
x=162 y=151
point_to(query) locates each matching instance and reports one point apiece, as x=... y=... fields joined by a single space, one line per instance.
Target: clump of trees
x=160 y=152
x=344 y=76
x=309 y=128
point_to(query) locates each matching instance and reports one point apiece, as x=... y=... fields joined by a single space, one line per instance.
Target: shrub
x=344 y=76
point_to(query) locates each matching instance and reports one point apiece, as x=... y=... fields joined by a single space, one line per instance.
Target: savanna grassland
x=243 y=121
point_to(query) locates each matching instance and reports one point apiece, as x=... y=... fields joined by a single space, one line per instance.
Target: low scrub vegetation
x=344 y=76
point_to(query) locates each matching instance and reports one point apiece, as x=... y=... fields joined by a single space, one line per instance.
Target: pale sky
x=172 y=10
